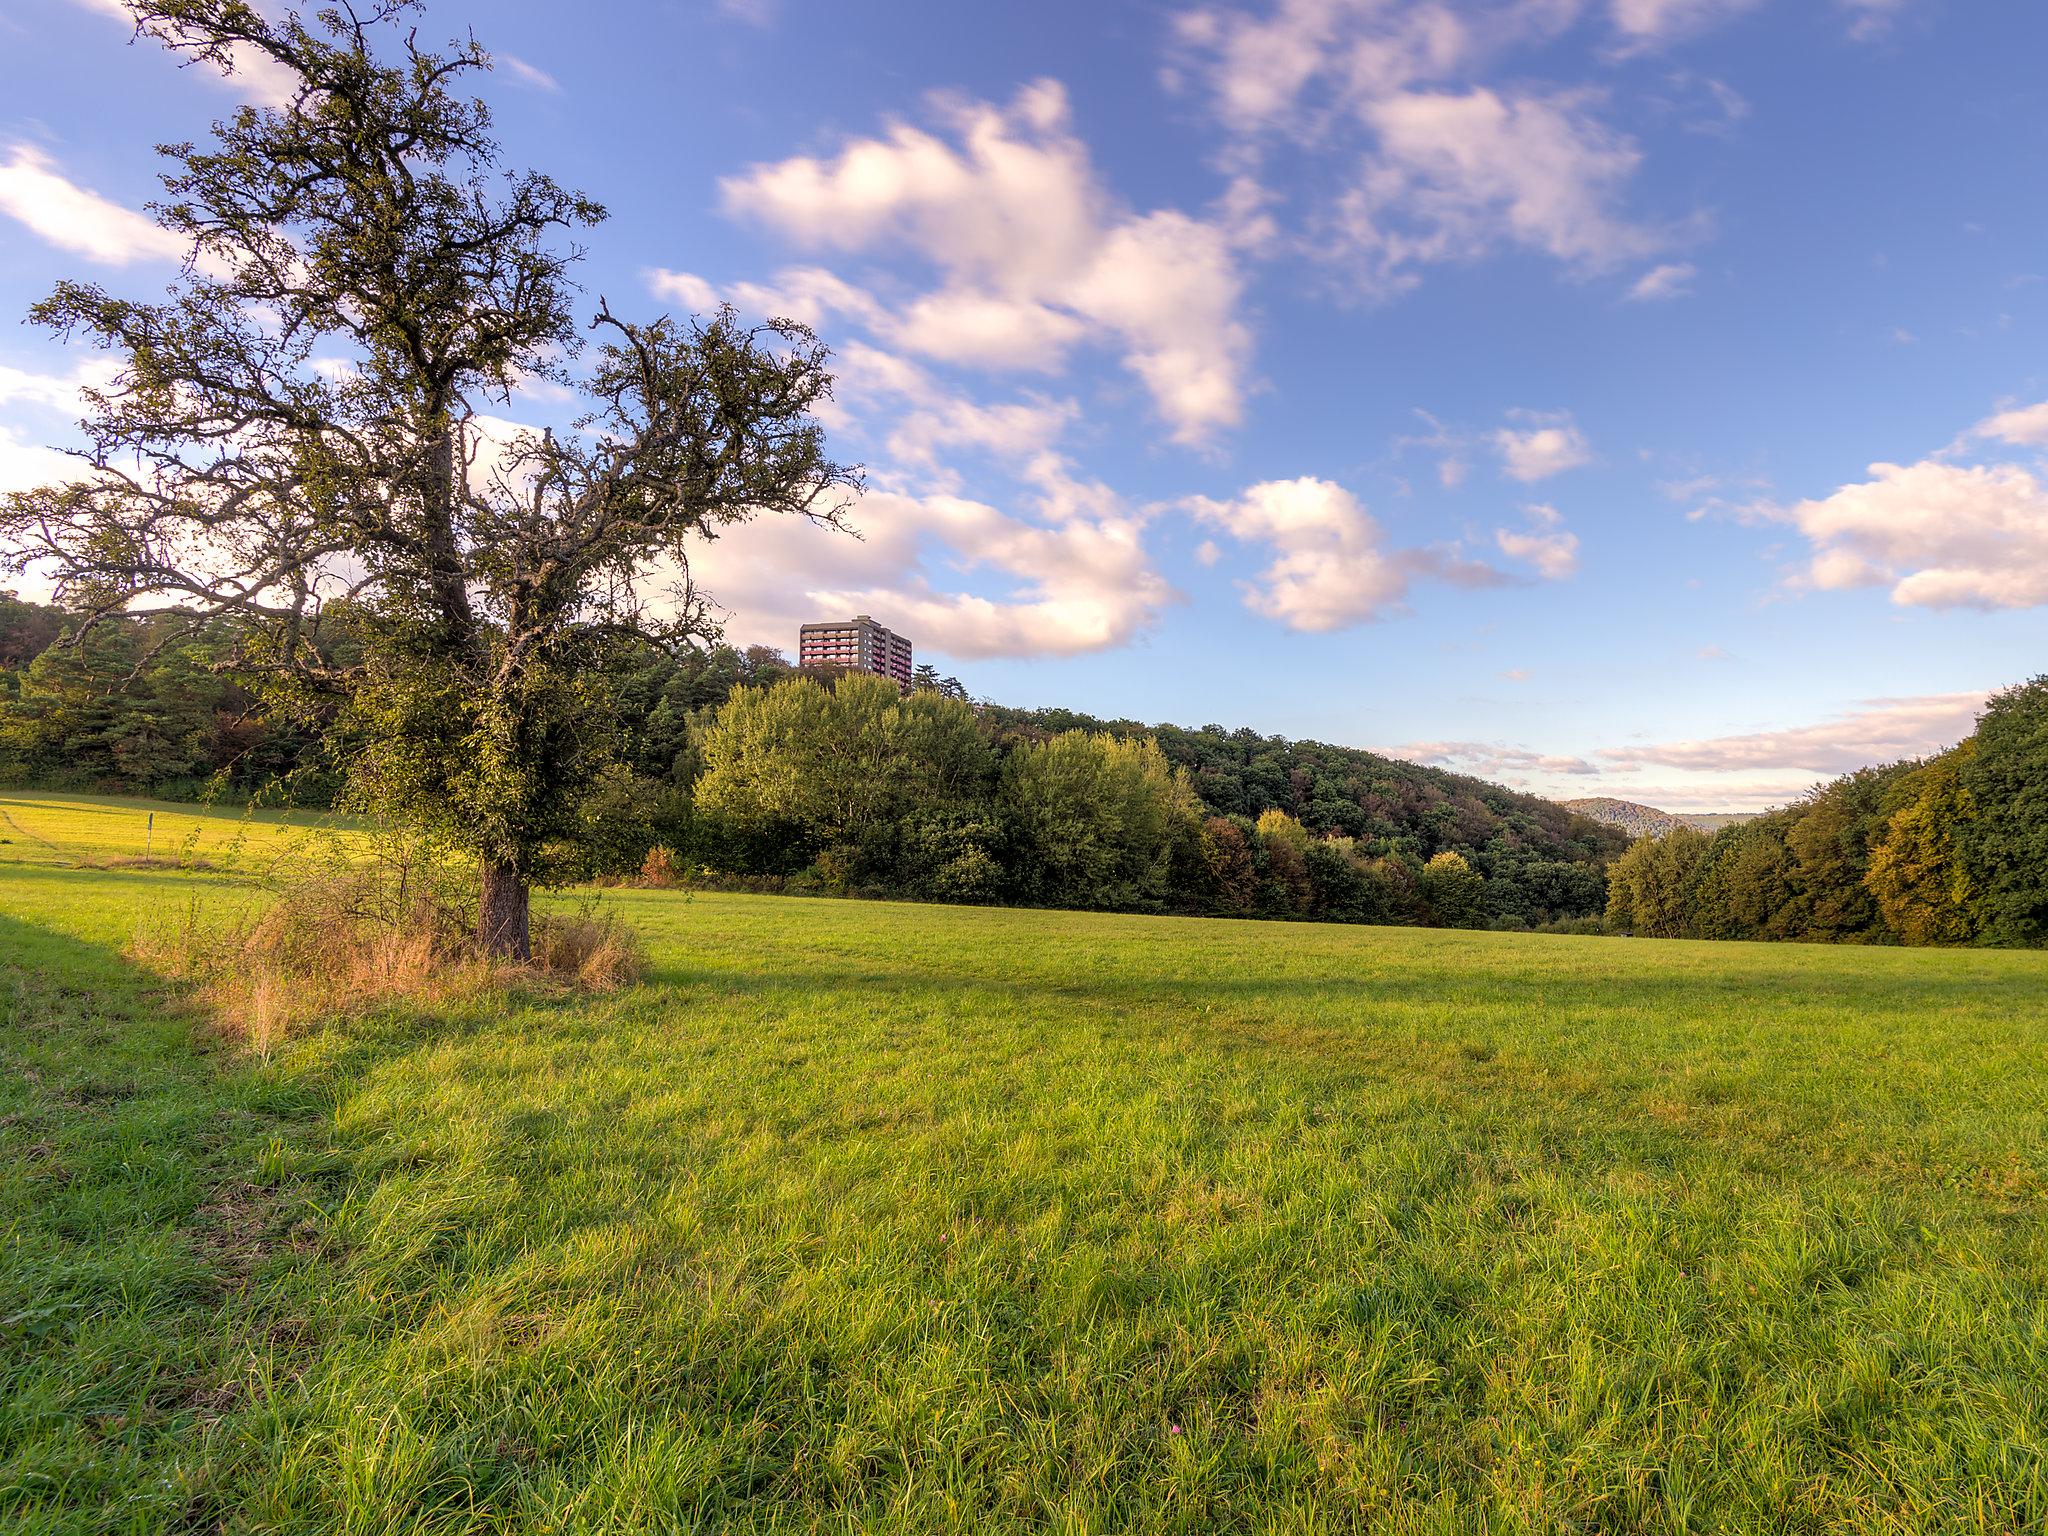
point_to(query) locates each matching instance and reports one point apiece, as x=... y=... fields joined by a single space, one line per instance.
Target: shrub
x=344 y=940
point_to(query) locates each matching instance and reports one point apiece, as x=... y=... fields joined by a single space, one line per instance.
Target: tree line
x=730 y=764
x=735 y=765
x=1952 y=849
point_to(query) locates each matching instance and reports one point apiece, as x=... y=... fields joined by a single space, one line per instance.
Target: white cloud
x=1455 y=176
x=1873 y=731
x=1331 y=568
x=1940 y=535
x=1671 y=280
x=923 y=417
x=1548 y=444
x=251 y=75
x=1033 y=253
x=1651 y=23
x=685 y=288
x=959 y=325
x=1871 y=18
x=1491 y=760
x=529 y=74
x=24 y=465
x=1445 y=166
x=74 y=219
x=53 y=391
x=2026 y=426
x=1552 y=550
x=1745 y=771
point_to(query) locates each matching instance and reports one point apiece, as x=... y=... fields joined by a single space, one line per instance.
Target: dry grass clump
x=590 y=948
x=343 y=942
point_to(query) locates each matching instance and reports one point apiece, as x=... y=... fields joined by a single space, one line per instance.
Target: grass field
x=886 y=1217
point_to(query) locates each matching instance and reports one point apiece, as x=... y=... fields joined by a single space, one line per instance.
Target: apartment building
x=858 y=645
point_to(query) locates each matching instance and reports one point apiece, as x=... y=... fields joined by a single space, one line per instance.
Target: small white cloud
x=1652 y=23
x=1456 y=175
x=1871 y=18
x=2025 y=426
x=1713 y=653
x=1516 y=675
x=1546 y=544
x=61 y=392
x=25 y=465
x=250 y=74
x=684 y=288
x=1672 y=280
x=1076 y=586
x=1331 y=567
x=1208 y=552
x=1549 y=445
x=1492 y=760
x=529 y=74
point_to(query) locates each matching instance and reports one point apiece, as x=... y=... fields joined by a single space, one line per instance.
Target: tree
x=1283 y=845
x=1830 y=838
x=1228 y=866
x=1096 y=820
x=1746 y=887
x=1454 y=892
x=2004 y=846
x=926 y=679
x=1651 y=889
x=483 y=581
x=802 y=771
x=1919 y=880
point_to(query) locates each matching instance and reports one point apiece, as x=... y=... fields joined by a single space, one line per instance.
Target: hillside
x=1346 y=791
x=1647 y=821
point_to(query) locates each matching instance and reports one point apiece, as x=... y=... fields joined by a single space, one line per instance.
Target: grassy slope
x=903 y=1217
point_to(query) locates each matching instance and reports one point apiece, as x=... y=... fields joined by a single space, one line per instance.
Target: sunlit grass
x=81 y=830
x=876 y=1216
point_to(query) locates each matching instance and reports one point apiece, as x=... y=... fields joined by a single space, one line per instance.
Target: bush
x=345 y=940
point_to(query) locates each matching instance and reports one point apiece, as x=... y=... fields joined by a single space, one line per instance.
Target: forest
x=1952 y=849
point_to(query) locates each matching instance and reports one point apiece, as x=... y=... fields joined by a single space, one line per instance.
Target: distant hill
x=1387 y=802
x=1648 y=821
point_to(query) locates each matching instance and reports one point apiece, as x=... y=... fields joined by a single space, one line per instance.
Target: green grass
x=868 y=1216
x=75 y=830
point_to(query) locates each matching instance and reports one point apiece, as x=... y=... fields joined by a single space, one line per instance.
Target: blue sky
x=1635 y=397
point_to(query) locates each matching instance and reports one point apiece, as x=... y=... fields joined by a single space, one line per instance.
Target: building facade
x=858 y=645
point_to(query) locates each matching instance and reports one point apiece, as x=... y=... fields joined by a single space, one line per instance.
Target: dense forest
x=730 y=765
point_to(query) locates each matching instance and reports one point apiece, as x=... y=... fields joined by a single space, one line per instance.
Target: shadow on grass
x=137 y=1223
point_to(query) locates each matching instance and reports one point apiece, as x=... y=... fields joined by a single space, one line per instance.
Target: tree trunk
x=501 y=923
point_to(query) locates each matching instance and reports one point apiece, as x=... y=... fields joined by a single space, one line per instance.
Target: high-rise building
x=858 y=645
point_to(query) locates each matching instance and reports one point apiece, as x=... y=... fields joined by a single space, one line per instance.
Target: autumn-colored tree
x=1917 y=875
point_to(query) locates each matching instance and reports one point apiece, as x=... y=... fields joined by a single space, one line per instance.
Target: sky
x=1643 y=398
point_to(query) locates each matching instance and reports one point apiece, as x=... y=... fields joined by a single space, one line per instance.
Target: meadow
x=875 y=1216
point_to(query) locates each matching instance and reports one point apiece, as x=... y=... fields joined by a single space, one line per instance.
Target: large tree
x=301 y=434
